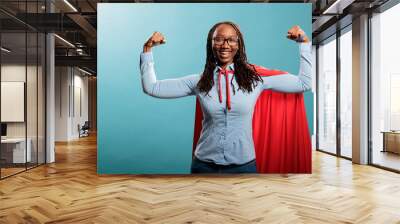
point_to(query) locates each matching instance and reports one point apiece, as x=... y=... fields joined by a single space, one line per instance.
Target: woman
x=227 y=91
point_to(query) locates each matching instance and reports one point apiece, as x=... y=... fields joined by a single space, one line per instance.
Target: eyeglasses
x=232 y=41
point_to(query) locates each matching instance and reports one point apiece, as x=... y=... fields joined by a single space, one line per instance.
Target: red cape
x=280 y=131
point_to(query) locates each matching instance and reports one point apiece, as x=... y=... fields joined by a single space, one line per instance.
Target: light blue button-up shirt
x=226 y=137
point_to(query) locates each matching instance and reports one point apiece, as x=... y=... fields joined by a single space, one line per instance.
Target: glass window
x=327 y=96
x=385 y=84
x=346 y=94
x=314 y=84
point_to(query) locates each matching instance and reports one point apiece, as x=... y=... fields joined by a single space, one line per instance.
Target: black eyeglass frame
x=228 y=40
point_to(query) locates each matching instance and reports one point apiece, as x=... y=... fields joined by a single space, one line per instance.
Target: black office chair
x=84 y=130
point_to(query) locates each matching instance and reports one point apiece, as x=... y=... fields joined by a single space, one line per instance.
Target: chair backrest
x=86 y=125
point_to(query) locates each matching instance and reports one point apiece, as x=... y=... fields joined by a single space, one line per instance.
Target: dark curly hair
x=245 y=73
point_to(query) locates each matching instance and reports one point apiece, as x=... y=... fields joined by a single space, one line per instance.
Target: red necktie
x=228 y=96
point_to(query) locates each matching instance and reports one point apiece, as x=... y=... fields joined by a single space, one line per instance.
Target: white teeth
x=224 y=53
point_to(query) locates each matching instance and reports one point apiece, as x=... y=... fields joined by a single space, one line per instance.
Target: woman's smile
x=225 y=44
x=225 y=53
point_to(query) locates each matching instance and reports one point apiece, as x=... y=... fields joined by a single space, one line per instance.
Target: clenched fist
x=297 y=34
x=156 y=39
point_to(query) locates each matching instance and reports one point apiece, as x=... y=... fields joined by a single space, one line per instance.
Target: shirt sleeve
x=167 y=88
x=293 y=83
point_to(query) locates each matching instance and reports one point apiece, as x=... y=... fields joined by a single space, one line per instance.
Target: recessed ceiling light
x=337 y=7
x=5 y=50
x=84 y=71
x=71 y=6
x=64 y=40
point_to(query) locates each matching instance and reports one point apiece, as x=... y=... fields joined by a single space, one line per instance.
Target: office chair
x=84 y=130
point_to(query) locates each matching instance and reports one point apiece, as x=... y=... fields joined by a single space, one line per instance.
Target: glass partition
x=15 y=150
x=41 y=91
x=32 y=95
x=22 y=78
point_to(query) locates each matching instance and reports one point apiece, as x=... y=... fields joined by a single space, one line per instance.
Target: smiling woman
x=225 y=43
x=227 y=48
x=225 y=144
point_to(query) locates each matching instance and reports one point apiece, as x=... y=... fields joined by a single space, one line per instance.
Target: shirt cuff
x=305 y=47
x=146 y=57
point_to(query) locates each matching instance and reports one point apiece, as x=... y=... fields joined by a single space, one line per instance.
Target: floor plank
x=70 y=191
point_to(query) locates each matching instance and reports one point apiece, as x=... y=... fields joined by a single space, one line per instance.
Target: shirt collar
x=230 y=67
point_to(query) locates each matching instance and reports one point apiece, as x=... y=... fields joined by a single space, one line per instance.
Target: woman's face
x=225 y=44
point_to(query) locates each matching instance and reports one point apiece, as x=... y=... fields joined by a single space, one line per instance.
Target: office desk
x=16 y=147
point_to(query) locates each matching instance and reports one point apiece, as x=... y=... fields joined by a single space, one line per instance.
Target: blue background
x=138 y=134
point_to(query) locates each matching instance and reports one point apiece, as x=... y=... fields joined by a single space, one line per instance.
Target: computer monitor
x=3 y=129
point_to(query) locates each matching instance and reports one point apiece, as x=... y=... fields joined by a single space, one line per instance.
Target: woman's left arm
x=293 y=83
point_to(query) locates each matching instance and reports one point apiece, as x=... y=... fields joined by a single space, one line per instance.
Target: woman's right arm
x=167 y=88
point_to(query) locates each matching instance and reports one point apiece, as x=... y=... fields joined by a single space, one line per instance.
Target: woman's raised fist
x=156 y=39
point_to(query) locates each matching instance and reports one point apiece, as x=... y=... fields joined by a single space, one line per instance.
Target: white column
x=50 y=100
x=50 y=92
x=360 y=90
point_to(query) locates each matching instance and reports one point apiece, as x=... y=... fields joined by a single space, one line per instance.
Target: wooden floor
x=70 y=191
x=387 y=159
x=5 y=172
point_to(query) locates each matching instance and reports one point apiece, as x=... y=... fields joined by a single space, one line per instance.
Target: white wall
x=80 y=110
x=9 y=73
x=62 y=82
x=71 y=87
x=15 y=72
